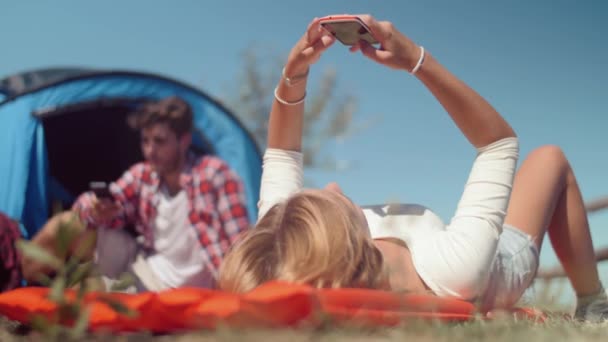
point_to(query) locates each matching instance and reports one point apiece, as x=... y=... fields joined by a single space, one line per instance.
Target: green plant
x=70 y=284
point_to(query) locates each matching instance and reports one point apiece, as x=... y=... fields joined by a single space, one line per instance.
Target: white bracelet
x=420 y=61
x=287 y=103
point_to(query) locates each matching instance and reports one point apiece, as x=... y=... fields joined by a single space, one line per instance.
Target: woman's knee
x=550 y=157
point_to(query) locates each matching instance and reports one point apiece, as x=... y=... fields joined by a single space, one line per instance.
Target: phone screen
x=349 y=32
x=100 y=189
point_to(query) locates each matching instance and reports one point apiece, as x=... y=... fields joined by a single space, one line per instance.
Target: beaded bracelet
x=291 y=81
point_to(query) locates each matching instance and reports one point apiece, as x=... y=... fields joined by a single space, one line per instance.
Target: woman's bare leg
x=546 y=198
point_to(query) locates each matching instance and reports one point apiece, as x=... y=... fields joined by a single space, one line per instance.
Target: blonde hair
x=314 y=237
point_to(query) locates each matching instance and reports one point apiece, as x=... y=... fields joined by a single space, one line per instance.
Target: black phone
x=348 y=29
x=101 y=190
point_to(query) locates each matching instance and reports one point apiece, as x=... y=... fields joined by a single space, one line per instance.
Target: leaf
x=66 y=233
x=118 y=307
x=40 y=323
x=80 y=273
x=69 y=312
x=81 y=324
x=83 y=289
x=33 y=251
x=86 y=244
x=123 y=282
x=57 y=293
x=70 y=265
x=44 y=280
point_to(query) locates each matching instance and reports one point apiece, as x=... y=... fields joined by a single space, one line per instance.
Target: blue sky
x=542 y=64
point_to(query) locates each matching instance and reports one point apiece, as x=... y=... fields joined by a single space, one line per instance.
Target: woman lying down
x=488 y=253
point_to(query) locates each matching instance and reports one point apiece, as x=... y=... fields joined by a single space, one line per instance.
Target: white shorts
x=513 y=269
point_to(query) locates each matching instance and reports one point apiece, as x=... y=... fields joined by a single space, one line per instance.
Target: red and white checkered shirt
x=216 y=199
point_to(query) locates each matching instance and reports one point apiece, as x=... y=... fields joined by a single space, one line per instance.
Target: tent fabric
x=274 y=304
x=24 y=179
x=27 y=81
x=20 y=161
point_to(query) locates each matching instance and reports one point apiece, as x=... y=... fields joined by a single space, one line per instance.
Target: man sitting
x=186 y=210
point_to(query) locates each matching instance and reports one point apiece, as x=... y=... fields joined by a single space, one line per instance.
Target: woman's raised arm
x=480 y=123
x=286 y=115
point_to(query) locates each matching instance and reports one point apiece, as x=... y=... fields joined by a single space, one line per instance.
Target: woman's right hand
x=308 y=49
x=396 y=50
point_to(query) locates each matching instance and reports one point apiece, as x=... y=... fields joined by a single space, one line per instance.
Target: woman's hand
x=308 y=49
x=286 y=115
x=396 y=50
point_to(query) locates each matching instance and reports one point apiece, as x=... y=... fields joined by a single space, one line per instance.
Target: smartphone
x=348 y=29
x=101 y=190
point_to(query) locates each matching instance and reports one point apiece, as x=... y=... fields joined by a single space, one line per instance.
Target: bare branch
x=327 y=118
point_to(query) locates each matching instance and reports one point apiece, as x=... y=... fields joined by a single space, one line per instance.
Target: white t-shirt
x=454 y=260
x=178 y=260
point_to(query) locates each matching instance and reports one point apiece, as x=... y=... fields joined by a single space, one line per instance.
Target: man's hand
x=104 y=209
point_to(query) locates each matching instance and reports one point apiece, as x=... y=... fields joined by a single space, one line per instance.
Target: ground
x=505 y=329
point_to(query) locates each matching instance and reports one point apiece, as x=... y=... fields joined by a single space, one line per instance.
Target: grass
x=501 y=329
x=505 y=329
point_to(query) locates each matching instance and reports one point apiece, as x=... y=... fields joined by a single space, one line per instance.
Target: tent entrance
x=88 y=142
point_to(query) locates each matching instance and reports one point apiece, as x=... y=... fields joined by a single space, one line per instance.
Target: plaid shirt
x=216 y=200
x=10 y=259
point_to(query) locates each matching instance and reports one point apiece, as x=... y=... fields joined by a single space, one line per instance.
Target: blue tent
x=62 y=128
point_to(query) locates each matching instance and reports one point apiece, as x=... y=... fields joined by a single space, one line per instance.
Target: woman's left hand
x=308 y=49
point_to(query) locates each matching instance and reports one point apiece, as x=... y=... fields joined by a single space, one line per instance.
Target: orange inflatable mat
x=275 y=304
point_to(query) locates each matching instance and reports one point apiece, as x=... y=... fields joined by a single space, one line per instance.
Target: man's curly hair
x=172 y=110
